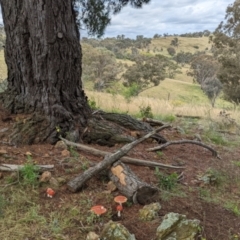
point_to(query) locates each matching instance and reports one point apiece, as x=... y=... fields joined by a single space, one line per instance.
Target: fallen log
x=131 y=186
x=78 y=182
x=13 y=167
x=214 y=153
x=124 y=159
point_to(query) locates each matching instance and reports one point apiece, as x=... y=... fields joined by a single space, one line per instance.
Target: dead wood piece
x=154 y=122
x=124 y=159
x=131 y=186
x=78 y=182
x=13 y=167
x=185 y=116
x=214 y=153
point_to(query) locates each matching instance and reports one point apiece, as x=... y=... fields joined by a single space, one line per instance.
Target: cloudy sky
x=168 y=16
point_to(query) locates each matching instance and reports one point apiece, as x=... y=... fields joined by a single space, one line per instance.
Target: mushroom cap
x=50 y=191
x=120 y=199
x=98 y=209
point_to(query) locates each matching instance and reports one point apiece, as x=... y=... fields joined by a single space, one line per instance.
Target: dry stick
x=14 y=167
x=124 y=159
x=77 y=183
x=214 y=153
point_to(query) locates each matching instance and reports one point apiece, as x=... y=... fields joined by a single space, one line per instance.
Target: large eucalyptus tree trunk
x=43 y=57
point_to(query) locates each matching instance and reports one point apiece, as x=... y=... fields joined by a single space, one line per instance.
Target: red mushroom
x=50 y=192
x=120 y=200
x=98 y=209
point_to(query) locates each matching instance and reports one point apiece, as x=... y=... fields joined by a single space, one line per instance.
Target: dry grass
x=160 y=107
x=185 y=44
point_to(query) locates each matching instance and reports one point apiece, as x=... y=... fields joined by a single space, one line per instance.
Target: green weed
x=166 y=182
x=160 y=154
x=233 y=207
x=168 y=118
x=215 y=137
x=29 y=172
x=237 y=163
x=2 y=205
x=92 y=104
x=73 y=152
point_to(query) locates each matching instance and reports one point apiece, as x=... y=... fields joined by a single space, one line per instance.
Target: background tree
x=183 y=58
x=175 y=42
x=146 y=73
x=43 y=57
x=227 y=47
x=171 y=51
x=204 y=68
x=100 y=67
x=212 y=87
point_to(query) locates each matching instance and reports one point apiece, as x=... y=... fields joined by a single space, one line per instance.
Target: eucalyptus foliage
x=95 y=15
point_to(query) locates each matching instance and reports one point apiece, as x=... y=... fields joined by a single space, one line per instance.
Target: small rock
x=53 y=182
x=28 y=154
x=61 y=180
x=3 y=130
x=115 y=231
x=45 y=177
x=65 y=153
x=92 y=236
x=3 y=151
x=61 y=145
x=176 y=226
x=149 y=212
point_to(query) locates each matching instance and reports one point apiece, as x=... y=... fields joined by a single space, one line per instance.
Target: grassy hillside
x=185 y=44
x=177 y=95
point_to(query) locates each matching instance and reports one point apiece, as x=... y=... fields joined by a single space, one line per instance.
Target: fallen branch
x=214 y=153
x=124 y=159
x=185 y=116
x=78 y=182
x=13 y=167
x=153 y=122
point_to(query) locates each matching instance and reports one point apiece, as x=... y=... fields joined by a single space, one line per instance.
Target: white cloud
x=169 y=16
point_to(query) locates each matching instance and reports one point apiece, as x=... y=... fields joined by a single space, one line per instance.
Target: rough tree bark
x=43 y=56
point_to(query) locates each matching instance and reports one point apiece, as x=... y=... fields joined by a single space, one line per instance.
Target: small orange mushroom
x=120 y=200
x=98 y=209
x=50 y=192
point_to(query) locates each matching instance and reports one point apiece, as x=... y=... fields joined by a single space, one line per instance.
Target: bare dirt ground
x=191 y=197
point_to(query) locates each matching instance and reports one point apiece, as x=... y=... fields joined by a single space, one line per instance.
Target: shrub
x=146 y=111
